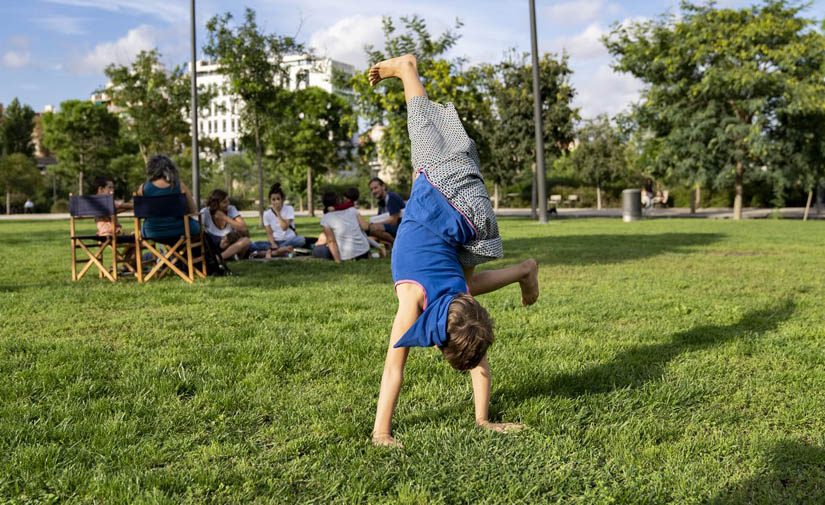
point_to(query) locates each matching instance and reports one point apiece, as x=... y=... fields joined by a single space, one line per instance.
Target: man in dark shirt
x=388 y=203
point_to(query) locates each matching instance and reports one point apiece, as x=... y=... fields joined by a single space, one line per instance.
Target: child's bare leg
x=525 y=273
x=403 y=67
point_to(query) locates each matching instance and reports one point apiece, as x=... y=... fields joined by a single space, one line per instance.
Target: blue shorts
x=391 y=229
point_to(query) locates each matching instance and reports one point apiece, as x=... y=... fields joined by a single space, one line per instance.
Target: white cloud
x=585 y=45
x=16 y=59
x=608 y=93
x=345 y=40
x=121 y=51
x=63 y=24
x=167 y=10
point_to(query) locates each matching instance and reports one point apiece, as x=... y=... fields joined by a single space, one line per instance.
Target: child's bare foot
x=386 y=441
x=501 y=427
x=392 y=67
x=530 y=283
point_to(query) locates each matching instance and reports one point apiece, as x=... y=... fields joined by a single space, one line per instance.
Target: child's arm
x=410 y=298
x=481 y=398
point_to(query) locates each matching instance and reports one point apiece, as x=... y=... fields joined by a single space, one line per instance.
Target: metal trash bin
x=631 y=205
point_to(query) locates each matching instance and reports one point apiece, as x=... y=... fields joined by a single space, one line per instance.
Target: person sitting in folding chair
x=163 y=179
x=106 y=226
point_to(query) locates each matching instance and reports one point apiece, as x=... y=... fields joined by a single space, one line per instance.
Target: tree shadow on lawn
x=645 y=363
x=795 y=473
x=588 y=249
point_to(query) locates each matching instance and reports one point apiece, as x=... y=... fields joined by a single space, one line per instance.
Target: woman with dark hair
x=162 y=178
x=219 y=220
x=343 y=237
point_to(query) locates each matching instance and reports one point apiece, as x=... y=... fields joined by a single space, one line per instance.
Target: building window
x=209 y=126
x=223 y=126
x=233 y=144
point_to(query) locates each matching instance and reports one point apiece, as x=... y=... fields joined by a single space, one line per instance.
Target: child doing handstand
x=448 y=228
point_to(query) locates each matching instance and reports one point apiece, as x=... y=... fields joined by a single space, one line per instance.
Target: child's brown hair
x=470 y=332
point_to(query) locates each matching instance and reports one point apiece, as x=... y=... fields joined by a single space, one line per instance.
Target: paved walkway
x=710 y=213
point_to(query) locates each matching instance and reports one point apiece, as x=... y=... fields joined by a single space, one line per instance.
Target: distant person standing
x=28 y=207
x=385 y=225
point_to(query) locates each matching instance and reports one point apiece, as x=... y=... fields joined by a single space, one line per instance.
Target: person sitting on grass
x=449 y=227
x=279 y=220
x=351 y=196
x=343 y=237
x=220 y=218
x=389 y=212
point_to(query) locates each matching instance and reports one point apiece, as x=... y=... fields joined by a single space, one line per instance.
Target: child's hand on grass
x=501 y=427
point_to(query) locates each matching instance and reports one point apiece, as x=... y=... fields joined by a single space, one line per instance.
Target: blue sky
x=54 y=50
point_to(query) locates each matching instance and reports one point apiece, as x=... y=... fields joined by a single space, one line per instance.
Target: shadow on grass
x=587 y=249
x=795 y=474
x=645 y=363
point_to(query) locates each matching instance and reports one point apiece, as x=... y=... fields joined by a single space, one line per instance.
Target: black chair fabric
x=160 y=206
x=91 y=205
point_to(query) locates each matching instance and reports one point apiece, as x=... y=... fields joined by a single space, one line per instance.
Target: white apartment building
x=221 y=120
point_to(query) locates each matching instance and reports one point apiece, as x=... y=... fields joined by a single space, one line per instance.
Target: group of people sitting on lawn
x=346 y=234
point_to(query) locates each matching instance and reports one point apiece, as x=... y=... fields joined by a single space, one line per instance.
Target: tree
x=154 y=103
x=722 y=86
x=444 y=81
x=16 y=129
x=600 y=154
x=512 y=137
x=311 y=137
x=18 y=172
x=252 y=61
x=84 y=137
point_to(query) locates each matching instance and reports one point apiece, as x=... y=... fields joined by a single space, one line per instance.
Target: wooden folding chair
x=89 y=207
x=176 y=249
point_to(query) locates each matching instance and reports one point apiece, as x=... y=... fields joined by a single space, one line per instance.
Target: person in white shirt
x=279 y=220
x=219 y=220
x=343 y=237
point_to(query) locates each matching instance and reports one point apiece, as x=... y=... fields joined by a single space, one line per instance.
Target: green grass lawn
x=667 y=361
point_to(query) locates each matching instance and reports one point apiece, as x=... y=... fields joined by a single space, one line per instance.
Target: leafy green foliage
x=600 y=156
x=153 y=103
x=83 y=136
x=18 y=173
x=512 y=135
x=309 y=137
x=445 y=81
x=731 y=93
x=252 y=61
x=16 y=127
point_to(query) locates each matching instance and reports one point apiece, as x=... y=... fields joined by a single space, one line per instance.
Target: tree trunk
x=534 y=197
x=598 y=196
x=496 y=196
x=260 y=176
x=692 y=202
x=808 y=205
x=300 y=203
x=80 y=175
x=8 y=202
x=310 y=206
x=698 y=196
x=737 y=200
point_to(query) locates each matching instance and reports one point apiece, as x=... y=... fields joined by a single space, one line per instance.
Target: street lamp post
x=542 y=192
x=193 y=78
